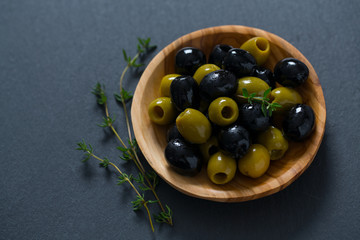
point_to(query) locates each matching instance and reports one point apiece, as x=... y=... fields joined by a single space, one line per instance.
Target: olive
x=286 y=97
x=173 y=133
x=209 y=148
x=218 y=53
x=264 y=74
x=239 y=61
x=188 y=59
x=221 y=168
x=256 y=161
x=193 y=126
x=183 y=157
x=220 y=83
x=274 y=141
x=252 y=85
x=252 y=117
x=162 y=111
x=291 y=72
x=185 y=93
x=299 y=122
x=259 y=47
x=204 y=70
x=165 y=84
x=234 y=140
x=223 y=111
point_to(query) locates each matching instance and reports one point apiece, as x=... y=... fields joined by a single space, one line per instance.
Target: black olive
x=264 y=74
x=235 y=140
x=218 y=53
x=183 y=157
x=239 y=61
x=220 y=83
x=184 y=93
x=173 y=133
x=299 y=122
x=291 y=72
x=188 y=60
x=252 y=117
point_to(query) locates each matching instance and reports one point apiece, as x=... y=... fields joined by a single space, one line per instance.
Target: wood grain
x=151 y=138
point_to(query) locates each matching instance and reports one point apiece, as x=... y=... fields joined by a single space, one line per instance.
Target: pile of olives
x=218 y=129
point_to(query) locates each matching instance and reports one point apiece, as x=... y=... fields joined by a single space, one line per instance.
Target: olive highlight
x=222 y=110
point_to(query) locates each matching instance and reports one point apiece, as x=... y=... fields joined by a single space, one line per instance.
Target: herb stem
x=148 y=211
x=259 y=99
x=131 y=184
x=135 y=156
x=122 y=95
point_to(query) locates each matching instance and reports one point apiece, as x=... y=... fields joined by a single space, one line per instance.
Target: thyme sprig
x=267 y=107
x=143 y=47
x=146 y=180
x=140 y=201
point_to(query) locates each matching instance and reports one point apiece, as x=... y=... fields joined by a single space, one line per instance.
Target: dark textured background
x=52 y=52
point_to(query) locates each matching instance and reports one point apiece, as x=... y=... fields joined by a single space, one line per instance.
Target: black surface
x=53 y=52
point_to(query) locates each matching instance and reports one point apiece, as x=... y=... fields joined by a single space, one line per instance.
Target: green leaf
x=126 y=157
x=140 y=179
x=263 y=109
x=245 y=92
x=107 y=122
x=266 y=93
x=126 y=58
x=164 y=216
x=99 y=92
x=124 y=178
x=122 y=149
x=144 y=188
x=152 y=176
x=253 y=95
x=139 y=49
x=133 y=61
x=126 y=95
x=138 y=203
x=276 y=105
x=134 y=144
x=141 y=42
x=105 y=163
x=87 y=149
x=270 y=112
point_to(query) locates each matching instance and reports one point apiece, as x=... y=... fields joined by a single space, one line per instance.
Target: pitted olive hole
x=262 y=44
x=159 y=112
x=227 y=112
x=220 y=177
x=213 y=150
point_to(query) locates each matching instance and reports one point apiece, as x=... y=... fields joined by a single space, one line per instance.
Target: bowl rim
x=289 y=176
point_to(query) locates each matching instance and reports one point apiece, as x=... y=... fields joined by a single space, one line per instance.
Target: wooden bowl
x=152 y=138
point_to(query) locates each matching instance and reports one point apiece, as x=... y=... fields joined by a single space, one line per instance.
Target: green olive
x=162 y=111
x=274 y=141
x=256 y=161
x=209 y=148
x=204 y=70
x=252 y=85
x=221 y=168
x=193 y=126
x=165 y=84
x=223 y=111
x=286 y=97
x=259 y=47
